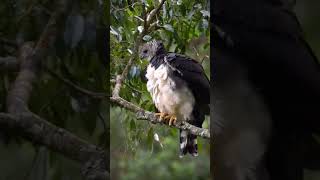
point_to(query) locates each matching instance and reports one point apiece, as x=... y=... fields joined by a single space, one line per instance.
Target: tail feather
x=188 y=144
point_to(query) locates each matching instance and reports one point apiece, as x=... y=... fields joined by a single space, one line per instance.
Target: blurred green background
x=76 y=56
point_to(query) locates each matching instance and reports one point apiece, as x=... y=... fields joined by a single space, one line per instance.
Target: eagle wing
x=190 y=71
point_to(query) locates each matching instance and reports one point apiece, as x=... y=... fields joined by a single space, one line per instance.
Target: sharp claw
x=161 y=116
x=170 y=119
x=174 y=120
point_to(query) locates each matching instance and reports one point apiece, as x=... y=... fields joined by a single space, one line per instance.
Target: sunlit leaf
x=168 y=27
x=147 y=38
x=205 y=13
x=140 y=29
x=113 y=31
x=75 y=105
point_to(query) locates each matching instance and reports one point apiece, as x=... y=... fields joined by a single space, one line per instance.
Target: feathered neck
x=160 y=50
x=158 y=59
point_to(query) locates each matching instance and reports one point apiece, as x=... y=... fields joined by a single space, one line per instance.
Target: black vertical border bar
x=212 y=77
x=103 y=39
x=107 y=43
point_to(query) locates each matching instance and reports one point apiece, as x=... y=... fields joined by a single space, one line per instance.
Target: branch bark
x=8 y=42
x=9 y=63
x=38 y=130
x=151 y=117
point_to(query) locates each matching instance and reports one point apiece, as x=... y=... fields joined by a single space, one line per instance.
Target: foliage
x=183 y=27
x=73 y=56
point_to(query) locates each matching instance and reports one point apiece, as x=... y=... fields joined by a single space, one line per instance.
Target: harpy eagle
x=179 y=88
x=266 y=93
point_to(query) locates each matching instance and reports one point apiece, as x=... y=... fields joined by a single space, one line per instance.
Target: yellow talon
x=172 y=120
x=162 y=116
x=169 y=119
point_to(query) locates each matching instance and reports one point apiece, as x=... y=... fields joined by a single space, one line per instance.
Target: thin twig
x=26 y=13
x=78 y=88
x=154 y=12
x=105 y=131
x=132 y=88
x=115 y=9
x=9 y=63
x=8 y=43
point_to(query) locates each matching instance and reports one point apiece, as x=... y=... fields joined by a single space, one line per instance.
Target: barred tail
x=188 y=144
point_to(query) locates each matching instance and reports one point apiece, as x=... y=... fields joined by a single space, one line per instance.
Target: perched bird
x=266 y=92
x=179 y=88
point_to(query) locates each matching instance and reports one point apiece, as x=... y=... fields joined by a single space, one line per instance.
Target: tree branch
x=8 y=63
x=154 y=12
x=21 y=89
x=38 y=130
x=76 y=87
x=150 y=116
x=8 y=42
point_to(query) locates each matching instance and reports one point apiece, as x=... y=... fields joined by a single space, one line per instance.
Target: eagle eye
x=145 y=51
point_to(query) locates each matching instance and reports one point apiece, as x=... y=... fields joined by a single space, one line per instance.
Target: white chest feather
x=167 y=96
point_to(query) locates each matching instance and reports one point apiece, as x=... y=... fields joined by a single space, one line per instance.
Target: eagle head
x=150 y=49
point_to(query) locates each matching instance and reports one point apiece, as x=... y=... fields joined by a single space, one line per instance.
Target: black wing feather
x=193 y=74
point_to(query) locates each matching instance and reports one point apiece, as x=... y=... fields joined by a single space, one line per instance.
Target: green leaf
x=205 y=24
x=205 y=13
x=113 y=31
x=150 y=138
x=147 y=37
x=132 y=125
x=168 y=27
